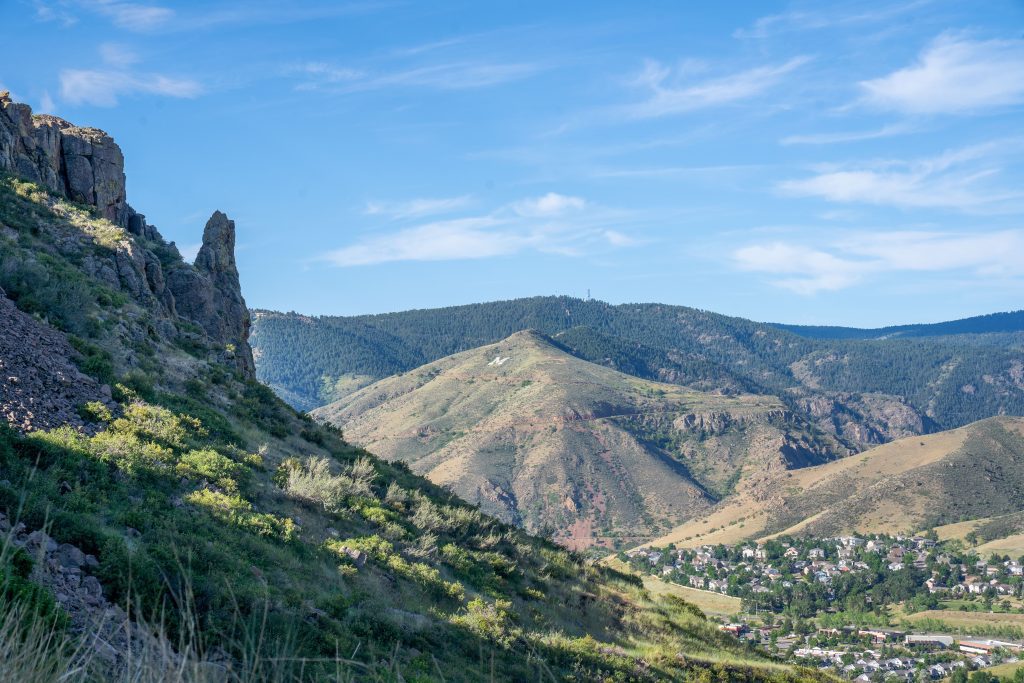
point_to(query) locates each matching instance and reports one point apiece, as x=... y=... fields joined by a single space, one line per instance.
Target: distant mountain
x=546 y=440
x=973 y=472
x=864 y=391
x=993 y=323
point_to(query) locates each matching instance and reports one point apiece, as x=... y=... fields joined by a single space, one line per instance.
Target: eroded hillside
x=554 y=443
x=906 y=486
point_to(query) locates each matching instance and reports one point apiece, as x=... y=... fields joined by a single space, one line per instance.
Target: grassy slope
x=969 y=472
x=177 y=497
x=549 y=440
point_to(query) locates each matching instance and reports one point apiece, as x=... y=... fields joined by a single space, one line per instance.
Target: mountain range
x=863 y=391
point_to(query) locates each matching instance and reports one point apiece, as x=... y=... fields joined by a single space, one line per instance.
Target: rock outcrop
x=209 y=293
x=83 y=164
x=86 y=166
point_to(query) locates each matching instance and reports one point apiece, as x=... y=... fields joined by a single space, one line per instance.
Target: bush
x=314 y=483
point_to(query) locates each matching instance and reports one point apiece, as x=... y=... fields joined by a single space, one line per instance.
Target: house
x=718 y=585
x=976 y=647
x=816 y=554
x=791 y=553
x=929 y=640
x=748 y=553
x=696 y=581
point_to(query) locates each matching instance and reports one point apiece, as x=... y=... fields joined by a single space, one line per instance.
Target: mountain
x=543 y=439
x=909 y=485
x=865 y=392
x=994 y=323
x=166 y=517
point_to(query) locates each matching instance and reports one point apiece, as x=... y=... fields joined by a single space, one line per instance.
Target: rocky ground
x=110 y=642
x=40 y=386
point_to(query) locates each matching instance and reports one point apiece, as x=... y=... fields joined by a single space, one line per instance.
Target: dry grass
x=967 y=620
x=742 y=517
x=714 y=604
x=1011 y=545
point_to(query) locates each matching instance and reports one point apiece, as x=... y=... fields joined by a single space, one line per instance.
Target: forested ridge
x=1008 y=322
x=951 y=380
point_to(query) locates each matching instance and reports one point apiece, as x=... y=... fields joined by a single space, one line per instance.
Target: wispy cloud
x=848 y=136
x=551 y=204
x=676 y=92
x=463 y=75
x=953 y=75
x=130 y=15
x=553 y=224
x=417 y=208
x=860 y=256
x=958 y=179
x=102 y=87
x=786 y=22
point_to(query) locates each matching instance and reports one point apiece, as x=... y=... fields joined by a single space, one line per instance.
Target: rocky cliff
x=85 y=166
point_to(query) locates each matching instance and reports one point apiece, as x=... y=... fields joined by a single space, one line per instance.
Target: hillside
x=166 y=517
x=906 y=486
x=547 y=441
x=993 y=323
x=865 y=392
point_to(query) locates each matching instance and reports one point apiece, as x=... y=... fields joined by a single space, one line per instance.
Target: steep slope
x=545 y=440
x=865 y=392
x=973 y=472
x=181 y=490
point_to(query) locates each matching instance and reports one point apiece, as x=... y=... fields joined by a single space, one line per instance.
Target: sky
x=847 y=163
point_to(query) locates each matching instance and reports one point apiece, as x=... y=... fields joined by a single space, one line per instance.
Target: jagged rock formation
x=209 y=293
x=86 y=166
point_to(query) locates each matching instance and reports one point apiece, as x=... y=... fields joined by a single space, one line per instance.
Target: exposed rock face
x=86 y=166
x=209 y=294
x=83 y=164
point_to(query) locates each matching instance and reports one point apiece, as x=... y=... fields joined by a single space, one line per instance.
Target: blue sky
x=847 y=163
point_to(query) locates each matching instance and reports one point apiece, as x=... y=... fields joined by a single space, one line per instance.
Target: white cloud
x=551 y=224
x=102 y=87
x=551 y=204
x=466 y=238
x=46 y=104
x=618 y=239
x=848 y=136
x=417 y=208
x=671 y=93
x=451 y=76
x=860 y=256
x=957 y=179
x=131 y=16
x=118 y=55
x=953 y=75
x=806 y=21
